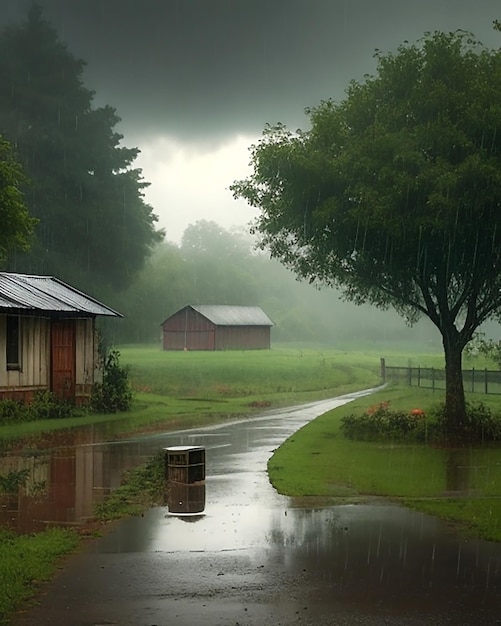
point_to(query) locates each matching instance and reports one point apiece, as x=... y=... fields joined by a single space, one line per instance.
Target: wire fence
x=475 y=380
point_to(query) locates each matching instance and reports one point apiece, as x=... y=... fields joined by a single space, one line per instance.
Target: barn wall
x=242 y=337
x=188 y=330
x=34 y=373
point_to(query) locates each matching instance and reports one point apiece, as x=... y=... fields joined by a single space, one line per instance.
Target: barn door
x=62 y=348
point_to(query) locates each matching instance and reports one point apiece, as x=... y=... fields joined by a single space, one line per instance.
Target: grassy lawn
x=319 y=461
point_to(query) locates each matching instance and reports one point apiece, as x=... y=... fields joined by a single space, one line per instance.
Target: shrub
x=481 y=424
x=114 y=394
x=10 y=482
x=11 y=411
x=46 y=405
x=380 y=423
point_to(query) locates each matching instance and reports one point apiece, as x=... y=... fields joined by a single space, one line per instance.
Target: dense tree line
x=17 y=225
x=93 y=227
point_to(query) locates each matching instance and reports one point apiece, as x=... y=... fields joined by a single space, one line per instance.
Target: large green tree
x=94 y=228
x=16 y=224
x=394 y=193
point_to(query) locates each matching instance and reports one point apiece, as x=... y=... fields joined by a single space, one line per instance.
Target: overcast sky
x=195 y=81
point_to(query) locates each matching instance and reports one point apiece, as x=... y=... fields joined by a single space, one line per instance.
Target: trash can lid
x=183 y=448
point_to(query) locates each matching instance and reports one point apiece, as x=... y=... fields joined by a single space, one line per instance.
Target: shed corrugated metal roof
x=227 y=315
x=32 y=293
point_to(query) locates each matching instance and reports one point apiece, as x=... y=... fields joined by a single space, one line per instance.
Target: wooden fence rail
x=475 y=380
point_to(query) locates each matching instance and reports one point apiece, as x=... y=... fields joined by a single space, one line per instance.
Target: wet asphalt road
x=253 y=558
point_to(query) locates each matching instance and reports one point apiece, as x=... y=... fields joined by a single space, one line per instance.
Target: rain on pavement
x=256 y=557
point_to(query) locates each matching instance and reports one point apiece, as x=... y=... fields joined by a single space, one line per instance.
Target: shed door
x=63 y=359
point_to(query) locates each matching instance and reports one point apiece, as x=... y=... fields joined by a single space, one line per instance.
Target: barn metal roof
x=227 y=315
x=31 y=293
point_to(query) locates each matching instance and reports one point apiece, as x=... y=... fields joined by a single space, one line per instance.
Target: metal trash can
x=185 y=479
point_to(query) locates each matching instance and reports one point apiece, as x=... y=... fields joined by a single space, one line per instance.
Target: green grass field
x=243 y=373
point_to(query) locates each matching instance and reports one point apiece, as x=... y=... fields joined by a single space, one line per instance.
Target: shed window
x=13 y=342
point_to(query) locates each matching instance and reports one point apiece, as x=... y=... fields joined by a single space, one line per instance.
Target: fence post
x=419 y=376
x=382 y=371
x=473 y=380
x=433 y=378
x=486 y=382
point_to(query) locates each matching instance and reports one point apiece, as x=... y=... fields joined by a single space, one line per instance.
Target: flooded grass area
x=462 y=485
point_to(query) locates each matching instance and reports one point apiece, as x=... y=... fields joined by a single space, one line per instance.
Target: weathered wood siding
x=242 y=337
x=86 y=359
x=188 y=330
x=35 y=371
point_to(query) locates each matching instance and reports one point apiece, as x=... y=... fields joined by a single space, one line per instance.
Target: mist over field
x=216 y=266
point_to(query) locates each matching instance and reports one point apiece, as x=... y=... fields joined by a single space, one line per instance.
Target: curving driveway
x=253 y=558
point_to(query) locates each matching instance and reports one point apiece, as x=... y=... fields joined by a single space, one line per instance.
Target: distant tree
x=394 y=194
x=219 y=268
x=488 y=348
x=16 y=224
x=158 y=291
x=94 y=227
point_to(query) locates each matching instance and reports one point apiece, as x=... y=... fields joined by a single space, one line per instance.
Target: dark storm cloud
x=197 y=69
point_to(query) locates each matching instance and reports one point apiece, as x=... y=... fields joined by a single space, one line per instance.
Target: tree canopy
x=94 y=227
x=17 y=225
x=394 y=192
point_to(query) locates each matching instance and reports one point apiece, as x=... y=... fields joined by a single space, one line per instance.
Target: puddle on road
x=380 y=544
x=67 y=473
x=366 y=553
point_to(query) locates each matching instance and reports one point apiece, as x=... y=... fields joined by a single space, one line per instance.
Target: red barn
x=217 y=327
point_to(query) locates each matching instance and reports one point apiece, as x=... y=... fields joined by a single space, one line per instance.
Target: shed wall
x=35 y=356
x=86 y=359
x=35 y=372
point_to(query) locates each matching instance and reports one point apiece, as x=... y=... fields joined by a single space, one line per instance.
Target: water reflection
x=70 y=472
x=63 y=485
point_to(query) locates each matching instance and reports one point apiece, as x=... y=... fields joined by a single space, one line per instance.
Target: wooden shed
x=47 y=338
x=217 y=327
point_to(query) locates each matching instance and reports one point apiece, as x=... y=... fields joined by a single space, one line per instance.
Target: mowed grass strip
x=27 y=561
x=319 y=461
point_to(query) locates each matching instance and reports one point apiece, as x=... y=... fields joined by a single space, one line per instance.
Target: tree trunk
x=455 y=404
